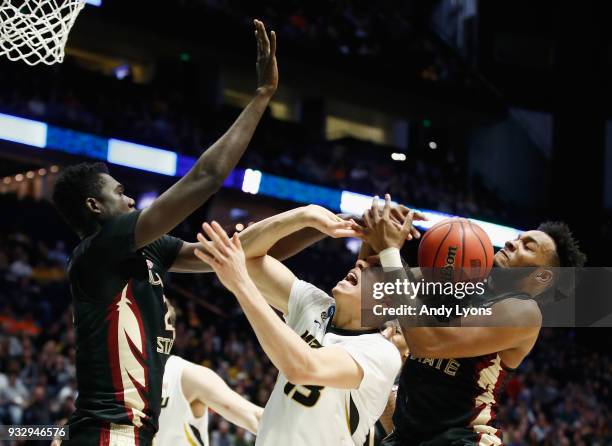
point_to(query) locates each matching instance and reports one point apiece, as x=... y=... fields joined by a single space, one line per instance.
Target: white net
x=36 y=31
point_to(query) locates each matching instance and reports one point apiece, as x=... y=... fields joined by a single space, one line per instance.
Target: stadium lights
x=23 y=131
x=433 y=145
x=398 y=156
x=166 y=162
x=251 y=182
x=141 y=157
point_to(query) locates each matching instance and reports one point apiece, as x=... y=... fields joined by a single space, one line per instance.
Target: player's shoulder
x=173 y=370
x=115 y=234
x=518 y=308
x=175 y=363
x=378 y=343
x=304 y=294
x=308 y=303
x=302 y=287
x=372 y=344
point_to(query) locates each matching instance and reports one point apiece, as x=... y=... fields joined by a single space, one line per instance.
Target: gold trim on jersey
x=189 y=437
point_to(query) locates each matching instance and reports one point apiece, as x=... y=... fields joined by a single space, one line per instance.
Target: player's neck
x=347 y=317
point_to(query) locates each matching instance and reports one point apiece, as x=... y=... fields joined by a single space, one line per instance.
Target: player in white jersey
x=335 y=376
x=188 y=390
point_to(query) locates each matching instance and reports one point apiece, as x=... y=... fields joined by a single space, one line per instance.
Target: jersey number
x=164 y=402
x=308 y=398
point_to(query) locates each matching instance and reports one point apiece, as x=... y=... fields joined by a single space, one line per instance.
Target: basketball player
x=335 y=376
x=449 y=386
x=122 y=321
x=188 y=391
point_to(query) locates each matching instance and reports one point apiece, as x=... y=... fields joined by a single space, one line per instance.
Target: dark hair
x=73 y=186
x=567 y=247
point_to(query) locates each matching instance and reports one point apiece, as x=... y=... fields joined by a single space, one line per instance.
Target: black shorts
x=458 y=436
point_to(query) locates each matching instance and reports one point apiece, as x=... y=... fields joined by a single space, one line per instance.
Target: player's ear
x=544 y=276
x=93 y=205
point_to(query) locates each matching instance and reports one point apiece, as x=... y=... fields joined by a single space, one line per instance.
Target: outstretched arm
x=276 y=234
x=211 y=169
x=271 y=277
x=513 y=325
x=281 y=236
x=327 y=366
x=300 y=240
x=201 y=383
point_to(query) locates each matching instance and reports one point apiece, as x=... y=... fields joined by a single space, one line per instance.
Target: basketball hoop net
x=36 y=31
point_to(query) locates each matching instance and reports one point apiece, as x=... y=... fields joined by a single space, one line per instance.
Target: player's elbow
x=208 y=178
x=214 y=180
x=254 y=420
x=295 y=374
x=300 y=371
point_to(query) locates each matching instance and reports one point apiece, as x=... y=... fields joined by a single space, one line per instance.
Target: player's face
x=531 y=248
x=350 y=286
x=113 y=199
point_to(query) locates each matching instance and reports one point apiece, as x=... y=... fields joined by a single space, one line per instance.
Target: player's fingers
x=264 y=38
x=204 y=257
x=343 y=224
x=375 y=209
x=420 y=216
x=215 y=242
x=396 y=214
x=345 y=233
x=415 y=232
x=387 y=207
x=356 y=226
x=407 y=223
x=214 y=250
x=273 y=43
x=221 y=233
x=257 y=36
x=367 y=218
x=236 y=241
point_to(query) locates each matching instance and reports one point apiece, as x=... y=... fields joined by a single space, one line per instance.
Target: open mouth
x=351 y=277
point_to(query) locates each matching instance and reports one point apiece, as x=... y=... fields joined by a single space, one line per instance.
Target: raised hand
x=224 y=255
x=267 y=69
x=331 y=224
x=381 y=230
x=400 y=212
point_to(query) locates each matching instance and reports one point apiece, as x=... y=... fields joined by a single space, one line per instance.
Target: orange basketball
x=456 y=250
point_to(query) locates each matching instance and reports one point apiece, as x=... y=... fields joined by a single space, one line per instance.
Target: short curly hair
x=73 y=186
x=567 y=247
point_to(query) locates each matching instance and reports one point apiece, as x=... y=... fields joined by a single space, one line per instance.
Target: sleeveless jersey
x=299 y=415
x=123 y=329
x=177 y=425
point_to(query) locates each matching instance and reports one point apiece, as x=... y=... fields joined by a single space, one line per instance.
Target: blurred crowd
x=167 y=117
x=561 y=395
x=355 y=28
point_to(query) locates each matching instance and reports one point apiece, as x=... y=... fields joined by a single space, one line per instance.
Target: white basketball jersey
x=177 y=425
x=325 y=416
